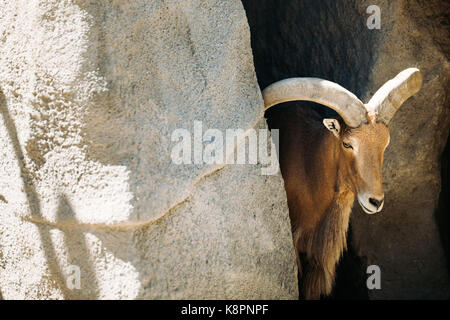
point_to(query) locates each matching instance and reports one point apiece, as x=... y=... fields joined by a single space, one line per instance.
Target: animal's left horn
x=325 y=92
x=389 y=98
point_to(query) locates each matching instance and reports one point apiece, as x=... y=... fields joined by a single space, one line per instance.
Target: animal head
x=364 y=135
x=362 y=151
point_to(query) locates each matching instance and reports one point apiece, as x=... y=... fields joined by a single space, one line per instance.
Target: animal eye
x=346 y=145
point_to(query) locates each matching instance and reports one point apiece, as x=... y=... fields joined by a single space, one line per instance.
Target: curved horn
x=328 y=93
x=388 y=99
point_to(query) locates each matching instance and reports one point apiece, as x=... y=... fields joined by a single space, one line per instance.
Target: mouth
x=366 y=210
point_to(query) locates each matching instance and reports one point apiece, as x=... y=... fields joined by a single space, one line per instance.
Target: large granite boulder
x=91 y=92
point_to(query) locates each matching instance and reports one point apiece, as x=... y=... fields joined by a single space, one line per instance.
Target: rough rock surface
x=330 y=39
x=91 y=92
x=404 y=240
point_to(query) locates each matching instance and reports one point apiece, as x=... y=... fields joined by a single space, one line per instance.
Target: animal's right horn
x=325 y=92
x=389 y=98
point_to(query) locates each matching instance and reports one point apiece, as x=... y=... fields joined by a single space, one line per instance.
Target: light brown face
x=362 y=157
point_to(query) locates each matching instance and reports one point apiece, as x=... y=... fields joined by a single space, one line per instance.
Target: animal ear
x=332 y=125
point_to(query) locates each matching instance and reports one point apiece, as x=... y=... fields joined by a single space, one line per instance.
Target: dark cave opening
x=442 y=213
x=327 y=39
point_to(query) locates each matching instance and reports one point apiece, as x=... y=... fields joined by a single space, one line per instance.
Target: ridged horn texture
x=388 y=99
x=325 y=92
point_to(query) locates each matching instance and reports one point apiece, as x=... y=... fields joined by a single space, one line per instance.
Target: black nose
x=377 y=203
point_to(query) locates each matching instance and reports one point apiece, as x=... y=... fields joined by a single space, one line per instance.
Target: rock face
x=330 y=39
x=404 y=240
x=91 y=92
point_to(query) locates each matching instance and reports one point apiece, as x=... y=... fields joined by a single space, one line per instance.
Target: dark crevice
x=351 y=275
x=442 y=213
x=326 y=39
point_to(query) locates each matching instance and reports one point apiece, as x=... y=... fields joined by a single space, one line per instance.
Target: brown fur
x=321 y=180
